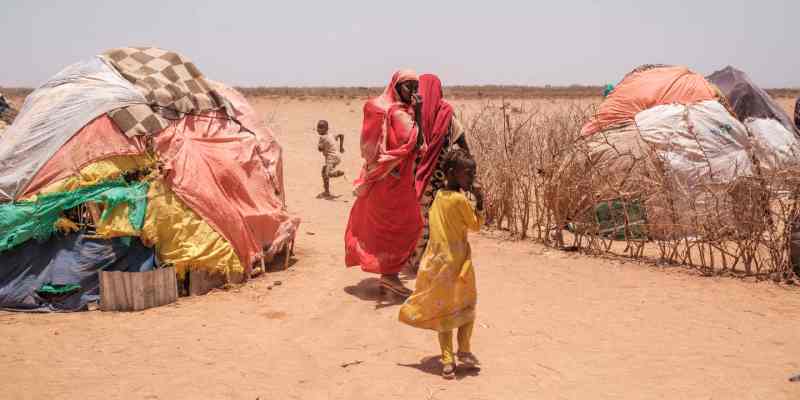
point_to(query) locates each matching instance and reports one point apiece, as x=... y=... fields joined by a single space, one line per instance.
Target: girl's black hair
x=456 y=157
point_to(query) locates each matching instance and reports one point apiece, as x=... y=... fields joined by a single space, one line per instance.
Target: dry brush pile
x=612 y=196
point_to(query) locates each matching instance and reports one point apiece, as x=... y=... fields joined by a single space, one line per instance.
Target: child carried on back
x=445 y=295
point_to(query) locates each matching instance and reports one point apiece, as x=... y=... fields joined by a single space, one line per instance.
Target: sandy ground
x=551 y=325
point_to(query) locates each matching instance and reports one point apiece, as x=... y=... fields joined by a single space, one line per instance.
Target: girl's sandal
x=449 y=371
x=468 y=360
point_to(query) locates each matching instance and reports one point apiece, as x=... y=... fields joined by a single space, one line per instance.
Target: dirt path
x=551 y=325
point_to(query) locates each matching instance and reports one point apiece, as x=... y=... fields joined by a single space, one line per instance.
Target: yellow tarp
x=179 y=235
x=97 y=172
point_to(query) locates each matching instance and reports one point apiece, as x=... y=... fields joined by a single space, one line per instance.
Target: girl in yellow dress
x=445 y=296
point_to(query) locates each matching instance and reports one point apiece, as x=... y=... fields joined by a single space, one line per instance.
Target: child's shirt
x=328 y=146
x=445 y=294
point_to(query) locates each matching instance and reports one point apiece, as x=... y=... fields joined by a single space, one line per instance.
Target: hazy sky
x=360 y=43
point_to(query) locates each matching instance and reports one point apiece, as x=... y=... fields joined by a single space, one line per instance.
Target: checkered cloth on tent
x=171 y=83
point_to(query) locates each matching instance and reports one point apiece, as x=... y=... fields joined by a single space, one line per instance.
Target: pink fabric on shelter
x=97 y=140
x=219 y=170
x=271 y=151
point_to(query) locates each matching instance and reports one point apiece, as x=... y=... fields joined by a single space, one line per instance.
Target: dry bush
x=453 y=92
x=541 y=178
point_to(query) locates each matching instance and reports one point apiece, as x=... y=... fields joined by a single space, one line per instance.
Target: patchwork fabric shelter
x=667 y=127
x=136 y=142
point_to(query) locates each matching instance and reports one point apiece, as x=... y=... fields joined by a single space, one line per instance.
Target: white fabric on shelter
x=701 y=143
x=774 y=145
x=53 y=113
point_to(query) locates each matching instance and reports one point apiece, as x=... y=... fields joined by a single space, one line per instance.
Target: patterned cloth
x=171 y=83
x=436 y=183
x=445 y=295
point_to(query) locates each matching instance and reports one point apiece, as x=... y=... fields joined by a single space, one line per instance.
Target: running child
x=327 y=146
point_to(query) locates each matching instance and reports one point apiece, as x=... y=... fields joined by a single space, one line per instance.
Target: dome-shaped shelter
x=133 y=152
x=664 y=140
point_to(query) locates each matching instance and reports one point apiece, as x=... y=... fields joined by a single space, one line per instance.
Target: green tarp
x=26 y=220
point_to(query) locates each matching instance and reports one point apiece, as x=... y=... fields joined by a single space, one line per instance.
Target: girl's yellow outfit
x=445 y=295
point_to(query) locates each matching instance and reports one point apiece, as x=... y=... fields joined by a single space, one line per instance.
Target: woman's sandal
x=392 y=287
x=449 y=371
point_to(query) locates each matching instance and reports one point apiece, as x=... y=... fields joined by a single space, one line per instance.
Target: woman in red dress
x=385 y=221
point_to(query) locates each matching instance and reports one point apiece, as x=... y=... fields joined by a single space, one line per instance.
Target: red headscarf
x=385 y=220
x=436 y=116
x=376 y=129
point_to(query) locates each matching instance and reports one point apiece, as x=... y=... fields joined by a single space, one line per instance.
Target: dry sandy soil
x=551 y=325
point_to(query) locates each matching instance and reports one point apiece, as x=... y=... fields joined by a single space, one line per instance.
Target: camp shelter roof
x=218 y=156
x=646 y=88
x=219 y=170
x=748 y=100
x=53 y=113
x=100 y=139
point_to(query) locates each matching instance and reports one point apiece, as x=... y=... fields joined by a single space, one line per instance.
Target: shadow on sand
x=433 y=365
x=369 y=289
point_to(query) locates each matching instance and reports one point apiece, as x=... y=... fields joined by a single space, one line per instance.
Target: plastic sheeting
x=775 y=147
x=96 y=173
x=218 y=170
x=71 y=259
x=642 y=90
x=747 y=99
x=180 y=236
x=26 y=220
x=101 y=139
x=271 y=153
x=701 y=143
x=53 y=113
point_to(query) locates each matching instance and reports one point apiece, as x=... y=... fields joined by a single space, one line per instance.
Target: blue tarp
x=66 y=259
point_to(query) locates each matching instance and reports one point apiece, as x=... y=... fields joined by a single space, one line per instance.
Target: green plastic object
x=608 y=89
x=58 y=290
x=26 y=220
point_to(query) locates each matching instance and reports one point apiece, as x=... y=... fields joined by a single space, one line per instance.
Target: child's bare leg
x=326 y=181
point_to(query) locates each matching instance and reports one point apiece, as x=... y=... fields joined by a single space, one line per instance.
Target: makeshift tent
x=645 y=87
x=196 y=173
x=664 y=127
x=776 y=138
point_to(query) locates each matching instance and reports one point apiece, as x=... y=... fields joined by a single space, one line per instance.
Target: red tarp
x=221 y=173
